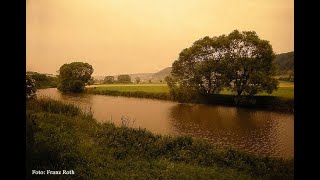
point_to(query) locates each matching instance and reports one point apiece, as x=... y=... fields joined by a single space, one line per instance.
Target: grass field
x=150 y=87
x=60 y=136
x=285 y=90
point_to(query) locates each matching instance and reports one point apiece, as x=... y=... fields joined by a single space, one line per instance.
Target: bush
x=43 y=81
x=183 y=94
x=30 y=88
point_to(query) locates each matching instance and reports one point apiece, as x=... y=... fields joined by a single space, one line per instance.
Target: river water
x=255 y=131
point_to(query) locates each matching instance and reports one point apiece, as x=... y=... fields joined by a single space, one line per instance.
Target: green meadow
x=285 y=90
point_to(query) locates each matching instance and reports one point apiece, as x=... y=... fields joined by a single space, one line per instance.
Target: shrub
x=30 y=88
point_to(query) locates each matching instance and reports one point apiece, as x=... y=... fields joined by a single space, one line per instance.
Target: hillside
x=145 y=77
x=161 y=74
x=285 y=62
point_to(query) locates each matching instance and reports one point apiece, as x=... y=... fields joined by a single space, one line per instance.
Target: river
x=255 y=131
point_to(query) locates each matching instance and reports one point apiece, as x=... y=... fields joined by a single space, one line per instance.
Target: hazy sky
x=139 y=36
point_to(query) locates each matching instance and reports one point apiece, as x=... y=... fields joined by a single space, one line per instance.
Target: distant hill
x=144 y=77
x=285 y=62
x=161 y=74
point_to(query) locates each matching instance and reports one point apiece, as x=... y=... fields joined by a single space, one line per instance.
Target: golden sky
x=141 y=36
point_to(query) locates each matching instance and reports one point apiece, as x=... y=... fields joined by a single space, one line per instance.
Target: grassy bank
x=61 y=136
x=280 y=100
x=138 y=94
x=285 y=90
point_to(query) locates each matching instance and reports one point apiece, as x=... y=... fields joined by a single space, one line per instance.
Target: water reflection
x=256 y=131
x=259 y=132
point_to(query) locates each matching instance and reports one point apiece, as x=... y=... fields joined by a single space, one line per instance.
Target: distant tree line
x=240 y=62
x=124 y=78
x=108 y=80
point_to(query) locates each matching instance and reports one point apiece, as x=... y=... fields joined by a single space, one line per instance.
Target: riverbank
x=61 y=136
x=281 y=100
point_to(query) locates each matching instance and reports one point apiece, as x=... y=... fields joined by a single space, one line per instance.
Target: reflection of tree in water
x=253 y=131
x=84 y=101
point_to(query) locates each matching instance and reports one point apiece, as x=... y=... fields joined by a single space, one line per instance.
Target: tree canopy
x=200 y=66
x=74 y=76
x=124 y=79
x=108 y=80
x=249 y=64
x=240 y=62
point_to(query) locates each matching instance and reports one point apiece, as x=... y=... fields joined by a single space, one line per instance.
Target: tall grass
x=60 y=136
x=53 y=106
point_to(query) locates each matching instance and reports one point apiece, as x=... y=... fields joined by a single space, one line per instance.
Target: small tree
x=138 y=80
x=150 y=81
x=124 y=79
x=74 y=76
x=30 y=88
x=108 y=80
x=291 y=75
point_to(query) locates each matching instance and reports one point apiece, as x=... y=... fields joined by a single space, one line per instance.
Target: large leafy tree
x=240 y=61
x=199 y=67
x=74 y=76
x=249 y=64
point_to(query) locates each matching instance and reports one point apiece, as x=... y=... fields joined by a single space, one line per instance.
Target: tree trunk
x=238 y=97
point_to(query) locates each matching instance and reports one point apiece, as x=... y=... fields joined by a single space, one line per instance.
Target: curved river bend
x=260 y=132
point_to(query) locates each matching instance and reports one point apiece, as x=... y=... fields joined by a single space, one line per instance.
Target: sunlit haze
x=143 y=36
